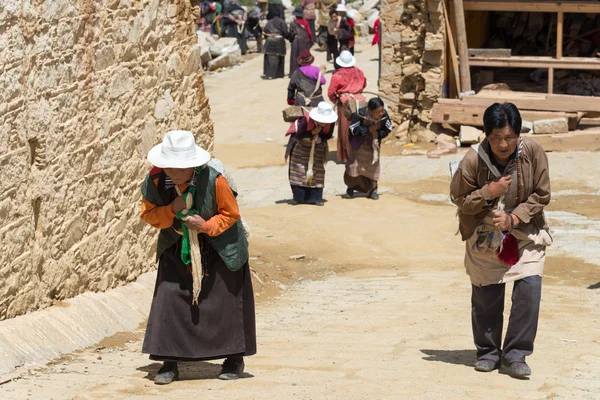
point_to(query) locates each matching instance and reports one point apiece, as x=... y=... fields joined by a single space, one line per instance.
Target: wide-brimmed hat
x=346 y=59
x=323 y=113
x=341 y=8
x=298 y=12
x=305 y=58
x=178 y=150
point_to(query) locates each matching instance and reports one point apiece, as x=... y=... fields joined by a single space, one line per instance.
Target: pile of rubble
x=218 y=53
x=364 y=13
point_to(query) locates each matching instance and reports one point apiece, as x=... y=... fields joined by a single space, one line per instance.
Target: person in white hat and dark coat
x=203 y=304
x=307 y=151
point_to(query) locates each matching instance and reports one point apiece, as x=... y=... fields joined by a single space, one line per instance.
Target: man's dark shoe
x=374 y=196
x=485 y=365
x=320 y=203
x=167 y=373
x=519 y=370
x=350 y=193
x=232 y=369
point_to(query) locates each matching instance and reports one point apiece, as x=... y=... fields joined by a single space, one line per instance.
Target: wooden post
x=559 y=34
x=463 y=49
x=560 y=21
x=453 y=55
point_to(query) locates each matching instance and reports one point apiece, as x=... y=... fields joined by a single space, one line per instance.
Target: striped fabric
x=299 y=164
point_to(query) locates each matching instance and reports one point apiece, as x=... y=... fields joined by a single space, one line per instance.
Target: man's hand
x=502 y=221
x=177 y=205
x=500 y=187
x=195 y=223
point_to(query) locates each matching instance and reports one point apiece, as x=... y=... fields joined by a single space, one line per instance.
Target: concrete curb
x=76 y=323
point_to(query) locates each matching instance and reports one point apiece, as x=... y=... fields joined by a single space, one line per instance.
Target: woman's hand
x=177 y=205
x=195 y=223
x=502 y=221
x=500 y=187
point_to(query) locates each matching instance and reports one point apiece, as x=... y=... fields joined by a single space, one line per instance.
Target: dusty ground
x=379 y=306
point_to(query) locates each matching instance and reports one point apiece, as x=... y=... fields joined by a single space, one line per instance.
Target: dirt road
x=379 y=307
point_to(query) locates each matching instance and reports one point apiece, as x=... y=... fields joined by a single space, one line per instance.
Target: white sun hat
x=178 y=150
x=323 y=113
x=341 y=8
x=346 y=59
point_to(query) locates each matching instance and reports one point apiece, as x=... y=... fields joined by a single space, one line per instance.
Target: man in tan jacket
x=501 y=188
x=324 y=6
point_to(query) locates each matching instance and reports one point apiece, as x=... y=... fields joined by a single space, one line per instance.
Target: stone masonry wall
x=87 y=88
x=412 y=61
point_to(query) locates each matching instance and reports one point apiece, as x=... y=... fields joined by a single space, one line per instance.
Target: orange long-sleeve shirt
x=162 y=217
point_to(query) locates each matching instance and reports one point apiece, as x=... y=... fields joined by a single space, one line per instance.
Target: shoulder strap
x=318 y=85
x=486 y=159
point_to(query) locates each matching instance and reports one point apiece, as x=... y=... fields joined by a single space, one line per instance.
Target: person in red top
x=377 y=41
x=347 y=82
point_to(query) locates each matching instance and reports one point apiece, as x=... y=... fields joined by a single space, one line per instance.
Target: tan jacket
x=469 y=189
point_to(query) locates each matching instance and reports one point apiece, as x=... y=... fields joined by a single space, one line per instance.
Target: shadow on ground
x=457 y=357
x=190 y=371
x=594 y=286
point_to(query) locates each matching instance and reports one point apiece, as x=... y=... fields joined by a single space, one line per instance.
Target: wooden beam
x=587 y=63
x=472 y=114
x=536 y=6
x=535 y=101
x=453 y=55
x=461 y=37
x=550 y=80
x=489 y=52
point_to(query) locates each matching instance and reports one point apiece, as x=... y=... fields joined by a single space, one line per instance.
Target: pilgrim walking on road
x=203 y=303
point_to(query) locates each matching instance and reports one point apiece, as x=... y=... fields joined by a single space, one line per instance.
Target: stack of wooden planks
x=579 y=110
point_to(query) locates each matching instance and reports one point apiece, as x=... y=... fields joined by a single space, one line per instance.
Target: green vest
x=231 y=245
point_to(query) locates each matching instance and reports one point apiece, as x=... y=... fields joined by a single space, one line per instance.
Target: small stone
x=526 y=126
x=297 y=257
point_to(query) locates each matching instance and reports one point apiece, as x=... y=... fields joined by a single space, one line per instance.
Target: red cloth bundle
x=510 y=250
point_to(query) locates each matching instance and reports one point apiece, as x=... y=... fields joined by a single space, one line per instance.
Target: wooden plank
x=536 y=101
x=537 y=6
x=586 y=63
x=453 y=55
x=489 y=52
x=550 y=80
x=461 y=37
x=590 y=121
x=469 y=114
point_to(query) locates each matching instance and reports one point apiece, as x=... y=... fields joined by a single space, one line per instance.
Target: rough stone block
x=469 y=135
x=363 y=29
x=547 y=126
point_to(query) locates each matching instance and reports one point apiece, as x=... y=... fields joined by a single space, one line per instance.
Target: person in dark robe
x=203 y=303
x=253 y=25
x=310 y=15
x=276 y=33
x=307 y=151
x=301 y=38
x=234 y=24
x=305 y=87
x=345 y=31
x=369 y=126
x=332 y=31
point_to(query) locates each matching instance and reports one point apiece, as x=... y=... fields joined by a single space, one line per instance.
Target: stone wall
x=412 y=69
x=87 y=88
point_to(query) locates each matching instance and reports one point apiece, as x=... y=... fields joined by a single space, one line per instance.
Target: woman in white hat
x=203 y=304
x=347 y=84
x=307 y=151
